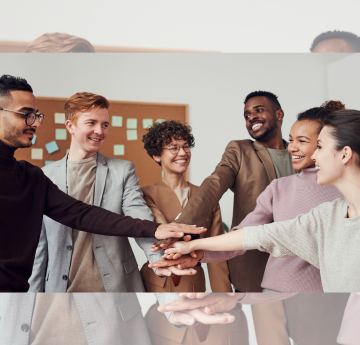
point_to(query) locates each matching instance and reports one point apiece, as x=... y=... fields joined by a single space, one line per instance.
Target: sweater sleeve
x=262 y=214
x=77 y=215
x=296 y=237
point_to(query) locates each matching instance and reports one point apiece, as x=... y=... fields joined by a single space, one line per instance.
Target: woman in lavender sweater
x=328 y=236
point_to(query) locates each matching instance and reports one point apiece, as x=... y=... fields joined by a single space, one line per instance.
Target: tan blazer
x=165 y=206
x=247 y=169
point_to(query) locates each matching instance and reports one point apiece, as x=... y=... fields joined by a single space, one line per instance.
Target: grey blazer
x=117 y=190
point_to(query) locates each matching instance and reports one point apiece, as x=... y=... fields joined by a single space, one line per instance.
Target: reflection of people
x=327 y=236
x=78 y=261
x=336 y=42
x=60 y=43
x=86 y=318
x=26 y=194
x=169 y=143
x=162 y=333
x=246 y=168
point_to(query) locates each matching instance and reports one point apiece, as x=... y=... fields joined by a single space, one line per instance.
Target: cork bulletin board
x=123 y=142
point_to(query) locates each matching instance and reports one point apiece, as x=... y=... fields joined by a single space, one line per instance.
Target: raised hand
x=185 y=261
x=163 y=244
x=174 y=230
x=210 y=304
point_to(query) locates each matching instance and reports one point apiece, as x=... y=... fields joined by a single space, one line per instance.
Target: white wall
x=227 y=25
x=214 y=86
x=344 y=81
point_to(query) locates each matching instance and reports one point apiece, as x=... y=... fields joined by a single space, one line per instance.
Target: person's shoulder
x=152 y=188
x=50 y=168
x=117 y=163
x=30 y=168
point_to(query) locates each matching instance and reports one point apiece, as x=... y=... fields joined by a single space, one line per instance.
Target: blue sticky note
x=131 y=123
x=131 y=134
x=52 y=147
x=162 y=173
x=49 y=162
x=34 y=139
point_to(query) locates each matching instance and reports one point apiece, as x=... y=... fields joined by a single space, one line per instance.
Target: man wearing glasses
x=26 y=194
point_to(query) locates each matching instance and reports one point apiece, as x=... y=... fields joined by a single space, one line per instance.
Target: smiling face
x=261 y=118
x=89 y=132
x=328 y=159
x=303 y=143
x=174 y=164
x=13 y=129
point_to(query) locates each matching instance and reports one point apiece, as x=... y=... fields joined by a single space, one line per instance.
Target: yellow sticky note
x=37 y=154
x=160 y=120
x=119 y=150
x=116 y=121
x=60 y=134
x=131 y=123
x=60 y=118
x=147 y=123
x=131 y=134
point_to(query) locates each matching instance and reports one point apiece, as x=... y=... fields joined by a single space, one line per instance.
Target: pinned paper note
x=147 y=123
x=131 y=134
x=37 y=154
x=33 y=141
x=51 y=147
x=60 y=134
x=68 y=150
x=160 y=120
x=49 y=162
x=131 y=123
x=60 y=118
x=162 y=173
x=119 y=150
x=116 y=121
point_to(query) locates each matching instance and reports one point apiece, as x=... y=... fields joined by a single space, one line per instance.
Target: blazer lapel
x=101 y=173
x=61 y=174
x=170 y=205
x=265 y=158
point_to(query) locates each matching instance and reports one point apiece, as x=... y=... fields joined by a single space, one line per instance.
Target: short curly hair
x=162 y=134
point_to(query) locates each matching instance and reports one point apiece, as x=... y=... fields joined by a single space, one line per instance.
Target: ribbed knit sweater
x=26 y=194
x=284 y=199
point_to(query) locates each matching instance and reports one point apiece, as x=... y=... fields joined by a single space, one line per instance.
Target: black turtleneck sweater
x=26 y=194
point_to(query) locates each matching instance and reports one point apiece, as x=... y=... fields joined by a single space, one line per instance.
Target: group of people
x=65 y=228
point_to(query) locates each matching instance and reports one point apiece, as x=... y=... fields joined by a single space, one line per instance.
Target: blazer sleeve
x=212 y=189
x=262 y=214
x=218 y=271
x=37 y=278
x=77 y=215
x=133 y=205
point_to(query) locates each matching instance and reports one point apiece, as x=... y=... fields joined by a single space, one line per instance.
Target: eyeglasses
x=29 y=117
x=174 y=149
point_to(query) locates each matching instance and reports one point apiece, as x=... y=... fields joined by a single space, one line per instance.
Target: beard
x=269 y=130
x=12 y=134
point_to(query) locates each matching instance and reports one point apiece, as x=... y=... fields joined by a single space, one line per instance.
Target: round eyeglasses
x=174 y=149
x=29 y=117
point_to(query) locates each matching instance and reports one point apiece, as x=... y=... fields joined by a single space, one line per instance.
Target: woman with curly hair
x=169 y=143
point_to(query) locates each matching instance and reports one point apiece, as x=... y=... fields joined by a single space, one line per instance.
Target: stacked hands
x=207 y=308
x=179 y=257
